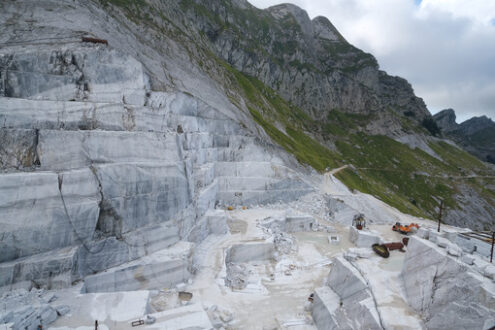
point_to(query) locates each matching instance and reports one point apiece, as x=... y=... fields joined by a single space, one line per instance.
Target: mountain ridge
x=476 y=135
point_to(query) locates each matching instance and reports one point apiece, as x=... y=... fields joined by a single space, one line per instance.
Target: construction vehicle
x=405 y=229
x=381 y=250
x=395 y=246
x=359 y=222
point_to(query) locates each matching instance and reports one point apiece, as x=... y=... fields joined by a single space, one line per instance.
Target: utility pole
x=440 y=215
x=493 y=242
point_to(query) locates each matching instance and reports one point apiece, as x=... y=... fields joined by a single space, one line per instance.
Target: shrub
x=431 y=126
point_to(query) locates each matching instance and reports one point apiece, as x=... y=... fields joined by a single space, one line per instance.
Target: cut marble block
x=346 y=303
x=240 y=253
x=363 y=238
x=446 y=290
x=163 y=269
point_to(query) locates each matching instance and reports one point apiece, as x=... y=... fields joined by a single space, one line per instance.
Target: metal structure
x=440 y=215
x=359 y=222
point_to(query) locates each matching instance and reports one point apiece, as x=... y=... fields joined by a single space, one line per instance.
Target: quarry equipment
x=94 y=40
x=405 y=229
x=381 y=250
x=359 y=222
x=395 y=246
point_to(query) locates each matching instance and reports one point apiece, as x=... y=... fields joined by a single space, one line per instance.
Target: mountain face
x=307 y=62
x=123 y=145
x=445 y=119
x=476 y=135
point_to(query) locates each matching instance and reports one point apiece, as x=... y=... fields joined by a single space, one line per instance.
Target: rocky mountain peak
x=324 y=29
x=445 y=119
x=475 y=135
x=476 y=124
x=301 y=16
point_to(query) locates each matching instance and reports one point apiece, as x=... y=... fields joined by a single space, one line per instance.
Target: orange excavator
x=405 y=229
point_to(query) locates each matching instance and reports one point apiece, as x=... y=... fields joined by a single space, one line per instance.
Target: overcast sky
x=444 y=48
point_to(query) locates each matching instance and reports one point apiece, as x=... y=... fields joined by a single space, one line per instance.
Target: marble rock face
x=97 y=170
x=345 y=302
x=162 y=269
x=446 y=290
x=80 y=72
x=43 y=211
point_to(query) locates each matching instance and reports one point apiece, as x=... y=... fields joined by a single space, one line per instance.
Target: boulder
x=363 y=238
x=445 y=290
x=346 y=301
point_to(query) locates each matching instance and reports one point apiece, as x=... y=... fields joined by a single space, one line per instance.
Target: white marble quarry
x=217 y=222
x=247 y=252
x=101 y=75
x=346 y=301
x=191 y=316
x=423 y=233
x=18 y=151
x=446 y=290
x=53 y=269
x=136 y=195
x=299 y=223
x=162 y=269
x=433 y=235
x=291 y=223
x=24 y=309
x=341 y=212
x=113 y=310
x=85 y=148
x=40 y=211
x=85 y=115
x=214 y=222
x=325 y=305
x=363 y=238
x=139 y=177
x=98 y=170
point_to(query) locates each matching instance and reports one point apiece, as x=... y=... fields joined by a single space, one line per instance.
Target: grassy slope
x=410 y=180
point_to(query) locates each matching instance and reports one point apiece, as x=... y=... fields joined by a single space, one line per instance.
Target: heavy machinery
x=405 y=229
x=359 y=222
x=381 y=250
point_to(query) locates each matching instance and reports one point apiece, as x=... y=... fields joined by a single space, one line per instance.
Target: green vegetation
x=395 y=173
x=410 y=180
x=458 y=159
x=267 y=108
x=431 y=126
x=305 y=149
x=303 y=66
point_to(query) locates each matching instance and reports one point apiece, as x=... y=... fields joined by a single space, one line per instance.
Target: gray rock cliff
x=476 y=135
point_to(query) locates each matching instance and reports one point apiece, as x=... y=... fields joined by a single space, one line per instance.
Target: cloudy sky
x=445 y=48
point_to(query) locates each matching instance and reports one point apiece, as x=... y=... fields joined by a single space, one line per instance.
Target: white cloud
x=445 y=48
